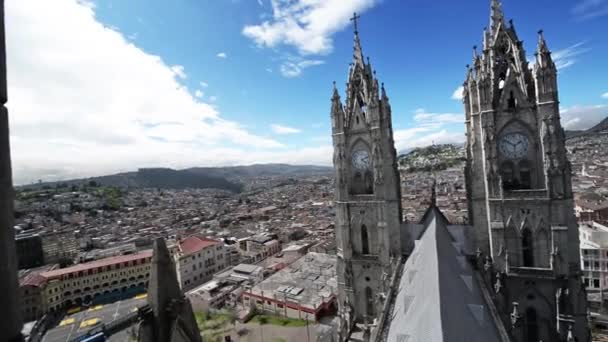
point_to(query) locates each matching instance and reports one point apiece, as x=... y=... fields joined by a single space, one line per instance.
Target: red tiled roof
x=32 y=279
x=194 y=244
x=97 y=263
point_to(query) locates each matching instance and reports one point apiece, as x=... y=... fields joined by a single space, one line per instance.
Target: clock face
x=361 y=160
x=514 y=145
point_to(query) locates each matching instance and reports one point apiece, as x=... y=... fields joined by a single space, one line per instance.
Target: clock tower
x=367 y=195
x=519 y=190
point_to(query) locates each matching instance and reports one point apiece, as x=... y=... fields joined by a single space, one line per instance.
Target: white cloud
x=179 y=71
x=84 y=100
x=458 y=93
x=199 y=93
x=589 y=9
x=203 y=84
x=260 y=3
x=212 y=98
x=222 y=55
x=582 y=117
x=306 y=25
x=567 y=57
x=281 y=129
x=605 y=95
x=294 y=68
x=422 y=117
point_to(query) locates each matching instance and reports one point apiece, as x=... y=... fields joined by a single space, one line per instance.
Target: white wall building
x=594 y=255
x=198 y=259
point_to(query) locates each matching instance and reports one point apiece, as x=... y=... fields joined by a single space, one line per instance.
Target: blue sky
x=105 y=86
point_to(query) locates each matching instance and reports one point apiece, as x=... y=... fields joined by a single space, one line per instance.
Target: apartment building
x=94 y=282
x=197 y=259
x=594 y=255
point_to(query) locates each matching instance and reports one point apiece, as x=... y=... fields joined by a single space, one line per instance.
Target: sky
x=104 y=86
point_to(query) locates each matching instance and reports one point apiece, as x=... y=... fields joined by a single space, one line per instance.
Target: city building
x=305 y=289
x=29 y=250
x=198 y=259
x=60 y=247
x=594 y=255
x=94 y=282
x=248 y=273
x=214 y=294
x=259 y=247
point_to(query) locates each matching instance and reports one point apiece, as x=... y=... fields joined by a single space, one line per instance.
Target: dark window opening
x=369 y=296
x=512 y=103
x=527 y=249
x=508 y=179
x=531 y=325
x=362 y=184
x=525 y=178
x=357 y=119
x=364 y=240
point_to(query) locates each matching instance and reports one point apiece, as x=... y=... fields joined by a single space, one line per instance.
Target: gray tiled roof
x=438 y=298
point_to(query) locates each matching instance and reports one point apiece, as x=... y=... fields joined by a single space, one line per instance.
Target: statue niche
x=362 y=178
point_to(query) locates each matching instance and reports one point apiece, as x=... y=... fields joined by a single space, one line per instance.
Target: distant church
x=513 y=274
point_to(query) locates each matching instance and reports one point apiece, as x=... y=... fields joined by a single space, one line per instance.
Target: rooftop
x=310 y=281
x=194 y=244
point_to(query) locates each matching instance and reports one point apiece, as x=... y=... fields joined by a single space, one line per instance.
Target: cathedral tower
x=367 y=195
x=519 y=190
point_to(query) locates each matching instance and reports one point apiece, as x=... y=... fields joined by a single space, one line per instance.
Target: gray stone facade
x=519 y=190
x=367 y=198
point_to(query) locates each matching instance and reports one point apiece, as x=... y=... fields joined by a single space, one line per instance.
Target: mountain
x=433 y=158
x=224 y=178
x=601 y=127
x=263 y=170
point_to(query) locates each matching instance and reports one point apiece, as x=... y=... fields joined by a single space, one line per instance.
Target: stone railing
x=536 y=272
x=524 y=194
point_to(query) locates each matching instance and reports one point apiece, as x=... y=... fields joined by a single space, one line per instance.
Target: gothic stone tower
x=518 y=184
x=367 y=198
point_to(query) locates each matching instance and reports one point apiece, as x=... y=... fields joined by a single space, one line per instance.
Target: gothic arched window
x=527 y=247
x=525 y=178
x=531 y=325
x=364 y=240
x=369 y=298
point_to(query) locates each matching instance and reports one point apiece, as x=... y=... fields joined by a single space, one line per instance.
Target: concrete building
x=259 y=247
x=250 y=274
x=214 y=294
x=198 y=259
x=59 y=247
x=594 y=255
x=29 y=250
x=306 y=289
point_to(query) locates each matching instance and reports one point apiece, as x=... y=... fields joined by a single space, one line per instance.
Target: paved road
x=106 y=314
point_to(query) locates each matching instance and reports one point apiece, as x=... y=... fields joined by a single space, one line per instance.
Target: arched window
x=507 y=175
x=369 y=298
x=364 y=240
x=531 y=325
x=527 y=247
x=525 y=179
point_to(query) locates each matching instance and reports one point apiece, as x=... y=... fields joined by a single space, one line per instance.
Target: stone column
x=10 y=304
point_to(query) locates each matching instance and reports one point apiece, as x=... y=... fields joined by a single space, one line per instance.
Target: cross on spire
x=354 y=20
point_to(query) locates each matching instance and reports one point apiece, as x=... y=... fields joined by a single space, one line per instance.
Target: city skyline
x=242 y=82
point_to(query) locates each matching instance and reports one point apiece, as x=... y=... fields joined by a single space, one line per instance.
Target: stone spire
x=497 y=17
x=172 y=318
x=358 y=51
x=543 y=54
x=11 y=322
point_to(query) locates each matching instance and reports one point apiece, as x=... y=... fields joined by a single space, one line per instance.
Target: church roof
x=438 y=298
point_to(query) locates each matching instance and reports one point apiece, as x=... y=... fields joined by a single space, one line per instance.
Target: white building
x=198 y=259
x=594 y=255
